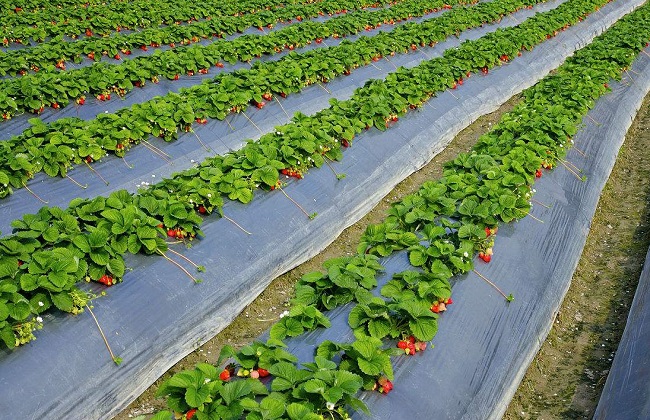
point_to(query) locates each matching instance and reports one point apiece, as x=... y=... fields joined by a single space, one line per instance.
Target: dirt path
x=566 y=377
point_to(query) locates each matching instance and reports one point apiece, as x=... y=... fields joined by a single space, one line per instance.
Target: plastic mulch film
x=142 y=165
x=158 y=315
x=627 y=390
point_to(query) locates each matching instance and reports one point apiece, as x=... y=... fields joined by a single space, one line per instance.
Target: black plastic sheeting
x=627 y=390
x=158 y=315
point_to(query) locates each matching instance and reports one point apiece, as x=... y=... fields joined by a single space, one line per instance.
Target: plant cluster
x=53 y=148
x=543 y=110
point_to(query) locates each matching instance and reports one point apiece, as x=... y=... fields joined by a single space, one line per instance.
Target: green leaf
x=235 y=390
x=424 y=329
x=379 y=328
x=268 y=174
x=195 y=397
x=19 y=310
x=116 y=266
x=62 y=300
x=272 y=408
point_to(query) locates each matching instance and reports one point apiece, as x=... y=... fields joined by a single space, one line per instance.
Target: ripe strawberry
x=448 y=301
x=402 y=344
x=203 y=71
x=538 y=173
x=420 y=346
x=345 y=143
x=144 y=47
x=260 y=105
x=263 y=372
x=202 y=210
x=89 y=32
x=55 y=105
x=190 y=414
x=106 y=280
x=224 y=375
x=171 y=233
x=219 y=64
x=485 y=257
x=267 y=96
x=91 y=55
x=385 y=386
x=435 y=308
x=190 y=72
x=176 y=77
x=410 y=349
x=117 y=57
x=81 y=100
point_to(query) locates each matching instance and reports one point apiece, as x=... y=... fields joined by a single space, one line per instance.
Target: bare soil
x=566 y=377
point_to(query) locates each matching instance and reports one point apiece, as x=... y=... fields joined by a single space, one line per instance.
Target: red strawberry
x=448 y=301
x=421 y=346
x=219 y=64
x=224 y=375
x=190 y=414
x=263 y=372
x=435 y=308
x=267 y=96
x=345 y=143
x=117 y=57
x=538 y=173
x=402 y=344
x=485 y=257
x=202 y=210
x=171 y=233
x=55 y=105
x=176 y=77
x=260 y=105
x=488 y=232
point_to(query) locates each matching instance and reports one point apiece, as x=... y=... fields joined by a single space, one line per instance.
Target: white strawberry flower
x=39 y=319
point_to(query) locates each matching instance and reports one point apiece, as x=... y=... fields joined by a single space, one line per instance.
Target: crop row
x=53 y=148
x=49 y=252
x=33 y=92
x=52 y=55
x=503 y=164
x=104 y=19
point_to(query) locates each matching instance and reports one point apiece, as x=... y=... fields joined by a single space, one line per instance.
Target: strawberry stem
x=281 y=106
x=528 y=214
x=324 y=88
x=229 y=125
x=156 y=152
x=187 y=273
x=158 y=149
x=393 y=64
x=116 y=360
x=329 y=165
x=34 y=194
x=251 y=121
x=205 y=146
x=311 y=216
x=583 y=154
x=571 y=170
x=183 y=257
x=236 y=224
x=95 y=172
x=75 y=182
x=127 y=163
x=595 y=122
x=509 y=298
x=540 y=203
